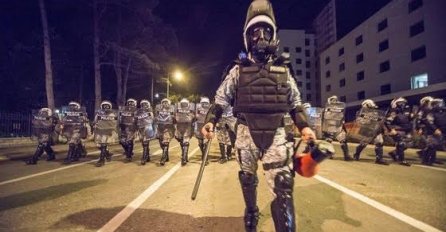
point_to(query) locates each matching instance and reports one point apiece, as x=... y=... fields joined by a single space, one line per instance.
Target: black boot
x=83 y=150
x=282 y=207
x=129 y=154
x=37 y=154
x=249 y=188
x=49 y=153
x=102 y=156
x=70 y=153
x=379 y=154
x=165 y=155
x=228 y=152
x=359 y=149
x=392 y=154
x=400 y=147
x=344 y=148
x=76 y=153
x=222 y=153
x=430 y=155
x=145 y=154
x=184 y=151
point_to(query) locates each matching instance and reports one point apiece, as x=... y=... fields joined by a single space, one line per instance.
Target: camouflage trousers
x=75 y=137
x=248 y=156
x=340 y=136
x=183 y=132
x=223 y=135
x=146 y=133
x=165 y=132
x=45 y=138
x=127 y=134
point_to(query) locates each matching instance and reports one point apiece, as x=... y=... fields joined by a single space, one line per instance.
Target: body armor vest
x=262 y=100
x=164 y=114
x=403 y=120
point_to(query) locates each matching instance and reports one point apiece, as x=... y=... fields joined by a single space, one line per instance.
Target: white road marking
x=430 y=167
x=117 y=220
x=392 y=212
x=63 y=168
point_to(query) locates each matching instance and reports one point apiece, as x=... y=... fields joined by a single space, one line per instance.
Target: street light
x=178 y=75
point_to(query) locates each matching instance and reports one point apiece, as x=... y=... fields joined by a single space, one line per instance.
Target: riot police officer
x=105 y=125
x=165 y=127
x=260 y=131
x=420 y=120
x=43 y=124
x=184 y=117
x=399 y=122
x=434 y=130
x=370 y=117
x=74 y=129
x=127 y=126
x=146 y=128
x=333 y=127
x=201 y=110
x=226 y=135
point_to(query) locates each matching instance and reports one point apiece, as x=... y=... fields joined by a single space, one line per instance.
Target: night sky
x=209 y=35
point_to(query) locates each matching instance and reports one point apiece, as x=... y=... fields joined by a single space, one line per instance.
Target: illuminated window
x=419 y=81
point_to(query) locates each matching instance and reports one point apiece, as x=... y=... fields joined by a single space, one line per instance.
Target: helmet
x=205 y=100
x=131 y=102
x=184 y=102
x=369 y=103
x=74 y=105
x=106 y=105
x=145 y=104
x=165 y=101
x=259 y=32
x=426 y=100
x=332 y=99
x=306 y=105
x=399 y=102
x=437 y=103
x=46 y=112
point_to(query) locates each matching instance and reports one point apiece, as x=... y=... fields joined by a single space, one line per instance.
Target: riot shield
x=333 y=117
x=145 y=124
x=127 y=121
x=74 y=122
x=163 y=115
x=315 y=120
x=184 y=112
x=42 y=126
x=367 y=125
x=106 y=123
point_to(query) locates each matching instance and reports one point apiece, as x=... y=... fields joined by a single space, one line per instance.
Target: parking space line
x=386 y=209
x=119 y=218
x=63 y=168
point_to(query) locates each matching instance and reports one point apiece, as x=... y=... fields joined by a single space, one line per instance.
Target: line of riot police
x=166 y=121
x=400 y=122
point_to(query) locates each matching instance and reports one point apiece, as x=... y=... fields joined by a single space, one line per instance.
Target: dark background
x=209 y=34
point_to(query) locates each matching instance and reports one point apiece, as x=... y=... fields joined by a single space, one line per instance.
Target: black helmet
x=259 y=32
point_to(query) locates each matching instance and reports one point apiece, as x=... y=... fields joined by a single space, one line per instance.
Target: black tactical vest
x=262 y=100
x=440 y=118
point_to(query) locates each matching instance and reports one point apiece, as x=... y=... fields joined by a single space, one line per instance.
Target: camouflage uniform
x=105 y=125
x=74 y=130
x=435 y=131
x=226 y=134
x=165 y=127
x=43 y=123
x=184 y=116
x=201 y=111
x=146 y=128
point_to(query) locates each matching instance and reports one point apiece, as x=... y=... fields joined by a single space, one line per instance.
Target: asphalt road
x=120 y=196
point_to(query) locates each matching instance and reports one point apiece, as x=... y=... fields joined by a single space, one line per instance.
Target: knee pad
x=283 y=182
x=248 y=179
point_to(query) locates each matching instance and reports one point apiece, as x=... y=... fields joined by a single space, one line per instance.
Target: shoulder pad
x=283 y=59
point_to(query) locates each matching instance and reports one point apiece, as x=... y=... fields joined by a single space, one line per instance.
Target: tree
x=47 y=57
x=96 y=59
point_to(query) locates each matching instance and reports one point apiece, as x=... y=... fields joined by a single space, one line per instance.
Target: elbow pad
x=214 y=114
x=299 y=117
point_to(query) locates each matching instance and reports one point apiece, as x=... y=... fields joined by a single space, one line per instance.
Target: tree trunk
x=97 y=66
x=118 y=72
x=125 y=79
x=47 y=57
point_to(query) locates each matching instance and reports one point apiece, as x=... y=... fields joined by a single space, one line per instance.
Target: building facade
x=398 y=51
x=300 y=46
